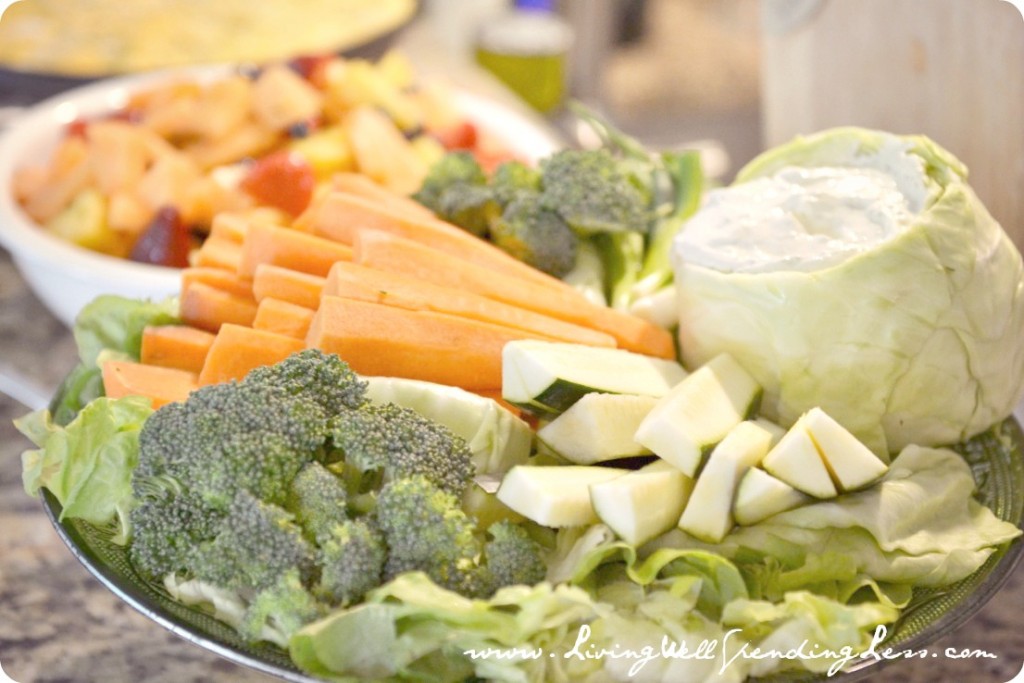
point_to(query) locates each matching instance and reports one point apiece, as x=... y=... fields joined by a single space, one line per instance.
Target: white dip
x=802 y=219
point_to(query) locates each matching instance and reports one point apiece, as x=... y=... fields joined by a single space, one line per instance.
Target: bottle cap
x=535 y=5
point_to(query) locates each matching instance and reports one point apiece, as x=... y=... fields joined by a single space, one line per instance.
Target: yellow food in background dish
x=145 y=180
x=98 y=37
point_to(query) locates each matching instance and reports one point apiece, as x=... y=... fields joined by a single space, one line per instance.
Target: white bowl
x=65 y=276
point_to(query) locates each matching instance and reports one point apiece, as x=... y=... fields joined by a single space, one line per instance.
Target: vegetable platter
x=537 y=422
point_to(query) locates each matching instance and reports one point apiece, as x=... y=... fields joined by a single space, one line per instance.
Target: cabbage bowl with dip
x=858 y=271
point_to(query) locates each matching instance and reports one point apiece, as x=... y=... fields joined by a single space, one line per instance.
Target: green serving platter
x=996 y=457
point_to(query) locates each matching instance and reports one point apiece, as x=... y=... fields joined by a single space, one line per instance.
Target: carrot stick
x=237 y=350
x=161 y=385
x=436 y=347
x=229 y=226
x=175 y=346
x=225 y=280
x=219 y=252
x=361 y=186
x=298 y=288
x=289 y=249
x=208 y=308
x=283 y=317
x=340 y=216
x=387 y=252
x=353 y=281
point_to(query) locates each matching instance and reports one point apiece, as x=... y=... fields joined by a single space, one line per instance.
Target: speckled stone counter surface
x=57 y=623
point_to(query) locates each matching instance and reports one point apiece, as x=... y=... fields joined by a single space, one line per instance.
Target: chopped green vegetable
x=318 y=499
x=623 y=254
x=684 y=168
x=351 y=560
x=387 y=442
x=454 y=168
x=594 y=193
x=497 y=439
x=513 y=178
x=426 y=530
x=536 y=235
x=471 y=207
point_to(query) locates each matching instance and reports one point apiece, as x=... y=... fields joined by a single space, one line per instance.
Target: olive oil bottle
x=527 y=48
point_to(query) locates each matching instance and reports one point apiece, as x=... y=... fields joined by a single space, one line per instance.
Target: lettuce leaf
x=108 y=326
x=619 y=631
x=920 y=525
x=88 y=464
x=825 y=625
x=413 y=628
x=116 y=323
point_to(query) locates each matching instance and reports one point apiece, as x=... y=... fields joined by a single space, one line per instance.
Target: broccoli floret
x=471 y=207
x=352 y=562
x=232 y=490
x=217 y=410
x=311 y=374
x=396 y=442
x=512 y=557
x=230 y=437
x=261 y=464
x=318 y=500
x=454 y=168
x=160 y=446
x=256 y=543
x=536 y=235
x=595 y=192
x=426 y=530
x=285 y=607
x=166 y=532
x=513 y=178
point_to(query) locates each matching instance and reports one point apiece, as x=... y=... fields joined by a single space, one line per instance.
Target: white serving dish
x=65 y=276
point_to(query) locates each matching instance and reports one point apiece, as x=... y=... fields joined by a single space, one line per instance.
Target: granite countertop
x=57 y=623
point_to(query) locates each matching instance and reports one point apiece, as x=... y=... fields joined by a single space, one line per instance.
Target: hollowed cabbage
x=902 y=315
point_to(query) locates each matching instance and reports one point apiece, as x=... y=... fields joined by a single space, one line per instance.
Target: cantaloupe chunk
x=161 y=385
x=225 y=280
x=175 y=346
x=218 y=252
x=289 y=249
x=436 y=347
x=353 y=281
x=396 y=254
x=341 y=216
x=237 y=350
x=301 y=289
x=283 y=317
x=208 y=308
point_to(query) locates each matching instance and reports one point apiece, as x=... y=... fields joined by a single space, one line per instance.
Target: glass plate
x=995 y=458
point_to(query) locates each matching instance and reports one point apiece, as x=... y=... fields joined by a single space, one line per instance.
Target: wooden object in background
x=950 y=69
